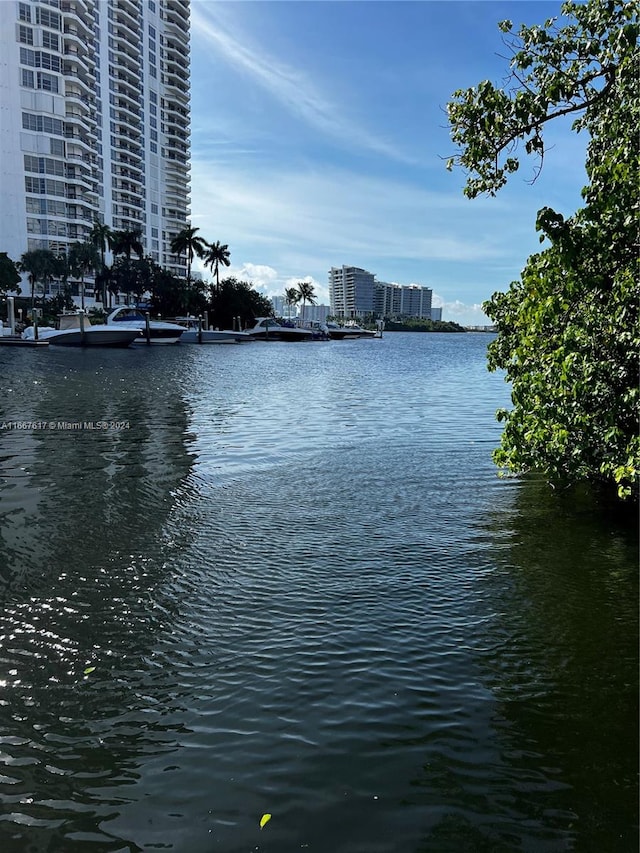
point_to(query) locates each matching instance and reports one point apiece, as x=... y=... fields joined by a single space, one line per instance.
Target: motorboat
x=348 y=332
x=196 y=333
x=159 y=331
x=353 y=328
x=269 y=329
x=75 y=330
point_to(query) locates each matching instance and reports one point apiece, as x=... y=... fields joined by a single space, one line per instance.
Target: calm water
x=303 y=591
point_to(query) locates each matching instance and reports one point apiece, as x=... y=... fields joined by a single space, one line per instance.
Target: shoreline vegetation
x=568 y=331
x=422 y=326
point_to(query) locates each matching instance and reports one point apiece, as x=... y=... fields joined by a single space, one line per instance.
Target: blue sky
x=319 y=139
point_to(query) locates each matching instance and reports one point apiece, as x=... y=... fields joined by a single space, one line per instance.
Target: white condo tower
x=94 y=122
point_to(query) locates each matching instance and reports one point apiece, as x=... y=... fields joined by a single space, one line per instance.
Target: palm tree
x=216 y=255
x=126 y=242
x=83 y=258
x=306 y=294
x=187 y=242
x=291 y=297
x=101 y=236
x=40 y=265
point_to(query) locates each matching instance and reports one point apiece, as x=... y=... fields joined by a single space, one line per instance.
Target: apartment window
x=39 y=59
x=31 y=164
x=54 y=188
x=154 y=208
x=56 y=147
x=48 y=60
x=57 y=208
x=153 y=71
x=154 y=135
x=47 y=82
x=153 y=110
x=153 y=97
x=47 y=18
x=34 y=185
x=152 y=6
x=36 y=226
x=25 y=35
x=154 y=148
x=50 y=40
x=152 y=32
x=27 y=57
x=43 y=165
x=27 y=78
x=42 y=124
x=24 y=12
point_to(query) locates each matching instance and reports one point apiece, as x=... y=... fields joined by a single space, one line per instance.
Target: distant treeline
x=422 y=326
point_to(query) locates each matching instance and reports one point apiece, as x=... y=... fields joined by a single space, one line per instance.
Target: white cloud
x=337 y=213
x=460 y=312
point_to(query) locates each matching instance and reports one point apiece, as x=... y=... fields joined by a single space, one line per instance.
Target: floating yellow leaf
x=89 y=669
x=264 y=820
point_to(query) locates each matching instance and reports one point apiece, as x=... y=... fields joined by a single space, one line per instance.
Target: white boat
x=268 y=329
x=75 y=330
x=160 y=331
x=346 y=333
x=196 y=335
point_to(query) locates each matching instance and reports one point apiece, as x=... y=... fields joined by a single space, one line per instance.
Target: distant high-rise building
x=316 y=312
x=281 y=308
x=403 y=300
x=94 y=122
x=354 y=292
x=436 y=313
x=351 y=291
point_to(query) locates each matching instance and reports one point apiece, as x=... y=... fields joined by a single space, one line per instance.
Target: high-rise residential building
x=354 y=292
x=351 y=291
x=403 y=300
x=94 y=122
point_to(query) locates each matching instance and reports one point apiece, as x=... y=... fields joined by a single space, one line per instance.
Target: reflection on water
x=83 y=513
x=561 y=658
x=296 y=586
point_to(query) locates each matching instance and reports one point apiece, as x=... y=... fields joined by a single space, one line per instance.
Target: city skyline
x=309 y=146
x=319 y=138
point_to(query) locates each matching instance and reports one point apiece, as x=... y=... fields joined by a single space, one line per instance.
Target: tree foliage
x=188 y=242
x=41 y=265
x=568 y=331
x=9 y=275
x=127 y=242
x=291 y=297
x=217 y=255
x=233 y=298
x=419 y=324
x=83 y=258
x=307 y=294
x=101 y=237
x=175 y=297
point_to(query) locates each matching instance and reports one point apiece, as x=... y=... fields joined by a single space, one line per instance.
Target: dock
x=16 y=341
